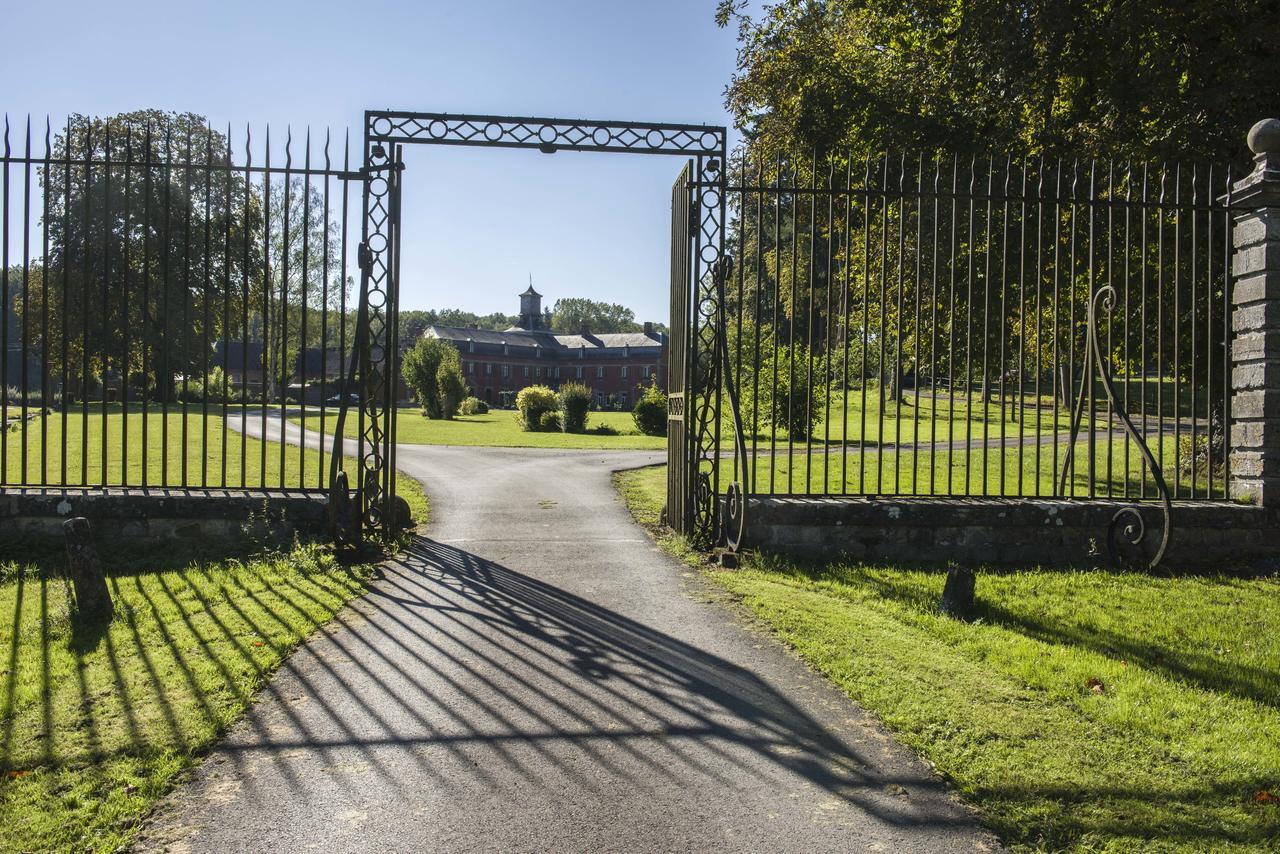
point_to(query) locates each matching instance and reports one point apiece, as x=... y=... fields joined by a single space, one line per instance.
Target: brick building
x=615 y=366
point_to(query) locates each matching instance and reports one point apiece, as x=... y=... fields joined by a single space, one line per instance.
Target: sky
x=477 y=222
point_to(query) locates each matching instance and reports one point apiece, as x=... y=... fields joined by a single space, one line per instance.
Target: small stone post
x=1255 y=323
x=93 y=599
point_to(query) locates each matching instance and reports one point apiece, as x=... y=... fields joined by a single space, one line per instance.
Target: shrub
x=791 y=394
x=531 y=403
x=473 y=406
x=549 y=422
x=650 y=412
x=603 y=430
x=450 y=385
x=575 y=401
x=421 y=370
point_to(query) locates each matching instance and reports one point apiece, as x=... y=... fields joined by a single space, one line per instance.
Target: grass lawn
x=1028 y=469
x=96 y=726
x=1088 y=711
x=250 y=463
x=499 y=429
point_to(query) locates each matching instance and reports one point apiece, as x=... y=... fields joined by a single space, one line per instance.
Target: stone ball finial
x=1264 y=137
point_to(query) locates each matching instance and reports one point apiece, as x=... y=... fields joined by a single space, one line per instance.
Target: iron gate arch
x=699 y=262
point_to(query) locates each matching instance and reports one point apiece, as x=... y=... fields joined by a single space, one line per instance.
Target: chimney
x=648 y=329
x=584 y=331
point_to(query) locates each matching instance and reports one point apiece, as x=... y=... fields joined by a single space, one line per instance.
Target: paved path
x=535 y=675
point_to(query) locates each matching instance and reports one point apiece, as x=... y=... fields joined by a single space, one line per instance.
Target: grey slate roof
x=525 y=342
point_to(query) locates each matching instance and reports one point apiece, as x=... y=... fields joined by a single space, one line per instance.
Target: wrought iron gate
x=697 y=345
x=679 y=503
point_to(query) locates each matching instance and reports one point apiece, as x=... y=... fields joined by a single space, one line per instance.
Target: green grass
x=1177 y=749
x=250 y=463
x=499 y=429
x=1012 y=471
x=96 y=725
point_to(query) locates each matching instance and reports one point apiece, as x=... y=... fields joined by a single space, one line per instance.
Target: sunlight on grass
x=1083 y=710
x=95 y=725
x=498 y=428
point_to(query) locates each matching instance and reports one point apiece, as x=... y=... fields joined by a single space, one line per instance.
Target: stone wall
x=156 y=515
x=1007 y=532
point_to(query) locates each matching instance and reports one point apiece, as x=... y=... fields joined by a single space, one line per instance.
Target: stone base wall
x=156 y=515
x=1022 y=532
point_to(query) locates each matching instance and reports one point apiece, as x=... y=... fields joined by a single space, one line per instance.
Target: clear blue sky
x=477 y=221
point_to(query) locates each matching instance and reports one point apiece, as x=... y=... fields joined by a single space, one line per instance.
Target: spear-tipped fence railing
x=169 y=291
x=917 y=324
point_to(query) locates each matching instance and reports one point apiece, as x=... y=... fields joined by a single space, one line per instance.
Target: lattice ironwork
x=379 y=368
x=545 y=134
x=386 y=130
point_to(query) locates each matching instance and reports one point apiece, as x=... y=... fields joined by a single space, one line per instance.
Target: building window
x=647 y=370
x=488 y=370
x=624 y=372
x=526 y=371
x=599 y=372
x=506 y=371
x=578 y=372
x=537 y=372
x=471 y=367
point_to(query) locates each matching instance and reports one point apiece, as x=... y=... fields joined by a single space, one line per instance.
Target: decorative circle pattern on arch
x=387 y=131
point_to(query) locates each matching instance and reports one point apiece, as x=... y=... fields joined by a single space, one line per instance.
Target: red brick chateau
x=615 y=366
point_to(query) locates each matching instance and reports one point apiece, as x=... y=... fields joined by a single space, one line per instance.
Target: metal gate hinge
x=363 y=261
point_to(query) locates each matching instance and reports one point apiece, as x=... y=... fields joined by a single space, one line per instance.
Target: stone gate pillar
x=1255 y=323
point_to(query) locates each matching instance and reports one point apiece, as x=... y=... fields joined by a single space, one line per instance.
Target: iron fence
x=169 y=292
x=917 y=324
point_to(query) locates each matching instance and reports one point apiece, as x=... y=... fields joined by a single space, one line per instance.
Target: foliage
x=1143 y=80
x=575 y=401
x=549 y=422
x=473 y=406
x=531 y=402
x=650 y=412
x=174 y=286
x=450 y=385
x=421 y=370
x=573 y=314
x=198 y=388
x=414 y=322
x=788 y=390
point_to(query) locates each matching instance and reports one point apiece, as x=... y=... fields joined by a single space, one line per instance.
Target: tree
x=137 y=251
x=450 y=385
x=574 y=314
x=421 y=370
x=1141 y=79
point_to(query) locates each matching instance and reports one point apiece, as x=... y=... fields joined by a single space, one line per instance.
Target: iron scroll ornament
x=1127 y=521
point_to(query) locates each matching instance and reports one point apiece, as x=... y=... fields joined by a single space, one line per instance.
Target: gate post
x=1255 y=323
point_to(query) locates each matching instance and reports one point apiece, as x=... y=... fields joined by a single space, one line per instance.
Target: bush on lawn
x=650 y=412
x=531 y=403
x=550 y=422
x=421 y=370
x=473 y=406
x=451 y=387
x=575 y=402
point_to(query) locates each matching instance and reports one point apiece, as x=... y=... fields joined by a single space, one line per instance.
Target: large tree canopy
x=1138 y=79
